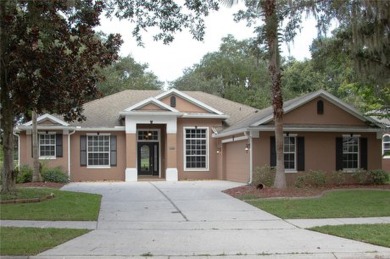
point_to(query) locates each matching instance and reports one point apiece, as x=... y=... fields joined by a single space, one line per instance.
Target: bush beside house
x=265 y=175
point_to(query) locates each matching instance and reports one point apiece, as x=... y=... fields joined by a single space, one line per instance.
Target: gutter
x=250 y=159
x=69 y=134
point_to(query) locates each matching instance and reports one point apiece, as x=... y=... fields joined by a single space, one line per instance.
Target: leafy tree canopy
x=125 y=74
x=236 y=72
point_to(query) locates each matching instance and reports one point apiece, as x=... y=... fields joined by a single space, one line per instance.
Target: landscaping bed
x=251 y=192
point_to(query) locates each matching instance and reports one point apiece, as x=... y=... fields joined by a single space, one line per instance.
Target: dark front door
x=148 y=160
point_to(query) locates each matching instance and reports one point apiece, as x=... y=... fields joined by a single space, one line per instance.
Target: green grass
x=72 y=206
x=338 y=204
x=377 y=234
x=26 y=193
x=32 y=241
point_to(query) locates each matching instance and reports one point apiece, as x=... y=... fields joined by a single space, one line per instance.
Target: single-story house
x=178 y=135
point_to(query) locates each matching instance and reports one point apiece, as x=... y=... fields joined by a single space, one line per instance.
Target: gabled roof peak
x=49 y=117
x=189 y=99
x=150 y=100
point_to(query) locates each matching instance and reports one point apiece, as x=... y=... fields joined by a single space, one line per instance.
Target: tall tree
x=273 y=13
x=49 y=61
x=237 y=71
x=126 y=73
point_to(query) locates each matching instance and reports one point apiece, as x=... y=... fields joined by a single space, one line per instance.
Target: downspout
x=18 y=136
x=250 y=159
x=69 y=134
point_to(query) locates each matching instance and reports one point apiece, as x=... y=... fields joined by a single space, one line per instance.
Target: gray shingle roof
x=265 y=115
x=104 y=112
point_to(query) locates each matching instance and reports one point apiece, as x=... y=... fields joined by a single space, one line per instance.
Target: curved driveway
x=171 y=219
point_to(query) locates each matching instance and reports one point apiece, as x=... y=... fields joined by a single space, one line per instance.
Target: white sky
x=169 y=61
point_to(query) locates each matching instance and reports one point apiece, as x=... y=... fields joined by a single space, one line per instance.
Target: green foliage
x=376 y=234
x=263 y=175
x=66 y=206
x=24 y=174
x=26 y=193
x=379 y=176
x=127 y=74
x=337 y=178
x=237 y=71
x=56 y=175
x=311 y=179
x=337 y=204
x=32 y=241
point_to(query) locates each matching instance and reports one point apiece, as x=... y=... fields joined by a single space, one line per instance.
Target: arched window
x=173 y=101
x=386 y=145
x=320 y=107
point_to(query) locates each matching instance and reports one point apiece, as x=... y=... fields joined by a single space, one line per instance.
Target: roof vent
x=173 y=101
x=320 y=107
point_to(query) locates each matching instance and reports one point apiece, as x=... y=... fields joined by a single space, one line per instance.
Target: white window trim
x=383 y=147
x=294 y=170
x=39 y=146
x=109 y=152
x=353 y=170
x=206 y=169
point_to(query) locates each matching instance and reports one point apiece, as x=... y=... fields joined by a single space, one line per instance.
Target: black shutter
x=339 y=154
x=363 y=153
x=83 y=150
x=272 y=162
x=301 y=153
x=59 y=152
x=113 y=150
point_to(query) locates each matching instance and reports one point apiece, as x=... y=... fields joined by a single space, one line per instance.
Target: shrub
x=56 y=175
x=300 y=181
x=361 y=177
x=337 y=178
x=378 y=177
x=263 y=175
x=24 y=174
x=313 y=178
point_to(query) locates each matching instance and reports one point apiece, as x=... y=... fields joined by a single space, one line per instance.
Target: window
x=98 y=150
x=195 y=148
x=289 y=150
x=350 y=153
x=47 y=145
x=148 y=135
x=386 y=146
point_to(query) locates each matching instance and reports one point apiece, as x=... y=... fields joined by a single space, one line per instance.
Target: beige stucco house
x=176 y=135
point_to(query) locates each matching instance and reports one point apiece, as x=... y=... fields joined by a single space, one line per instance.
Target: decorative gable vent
x=173 y=101
x=320 y=107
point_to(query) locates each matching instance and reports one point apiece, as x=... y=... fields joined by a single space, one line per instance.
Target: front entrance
x=148 y=158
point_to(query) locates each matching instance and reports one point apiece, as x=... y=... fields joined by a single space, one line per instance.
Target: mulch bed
x=293 y=192
x=42 y=184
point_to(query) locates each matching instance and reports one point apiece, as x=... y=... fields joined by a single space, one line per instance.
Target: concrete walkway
x=195 y=219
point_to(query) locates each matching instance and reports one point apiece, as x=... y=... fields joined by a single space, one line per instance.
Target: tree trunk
x=36 y=166
x=271 y=26
x=8 y=172
x=7 y=116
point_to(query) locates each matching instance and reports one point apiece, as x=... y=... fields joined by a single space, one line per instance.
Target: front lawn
x=376 y=234
x=336 y=204
x=65 y=206
x=32 y=241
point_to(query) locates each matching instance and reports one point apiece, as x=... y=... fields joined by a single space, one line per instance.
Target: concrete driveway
x=170 y=219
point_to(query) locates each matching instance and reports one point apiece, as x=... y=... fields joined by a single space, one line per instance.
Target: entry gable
x=149 y=105
x=185 y=103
